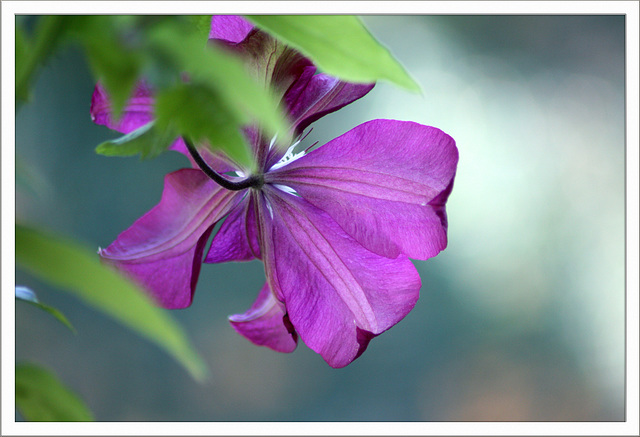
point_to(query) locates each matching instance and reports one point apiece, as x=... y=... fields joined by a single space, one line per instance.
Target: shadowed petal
x=385 y=182
x=237 y=239
x=163 y=249
x=266 y=323
x=313 y=96
x=137 y=112
x=338 y=295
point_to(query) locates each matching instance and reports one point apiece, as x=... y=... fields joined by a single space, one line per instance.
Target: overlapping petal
x=385 y=182
x=338 y=295
x=266 y=323
x=315 y=95
x=272 y=63
x=237 y=238
x=163 y=249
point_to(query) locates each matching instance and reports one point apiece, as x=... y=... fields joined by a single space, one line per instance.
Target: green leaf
x=73 y=268
x=148 y=141
x=339 y=45
x=41 y=397
x=202 y=25
x=197 y=112
x=30 y=55
x=23 y=49
x=27 y=295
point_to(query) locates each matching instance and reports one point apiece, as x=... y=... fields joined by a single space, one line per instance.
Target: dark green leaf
x=31 y=54
x=27 y=295
x=147 y=141
x=340 y=45
x=197 y=112
x=41 y=397
x=73 y=268
x=23 y=49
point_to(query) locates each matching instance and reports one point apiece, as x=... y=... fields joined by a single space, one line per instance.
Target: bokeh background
x=520 y=318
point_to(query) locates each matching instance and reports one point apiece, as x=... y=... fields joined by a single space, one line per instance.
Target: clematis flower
x=335 y=227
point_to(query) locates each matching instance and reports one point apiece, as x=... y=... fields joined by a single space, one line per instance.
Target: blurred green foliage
x=41 y=397
x=78 y=270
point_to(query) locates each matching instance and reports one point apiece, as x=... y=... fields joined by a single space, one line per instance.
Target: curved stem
x=251 y=181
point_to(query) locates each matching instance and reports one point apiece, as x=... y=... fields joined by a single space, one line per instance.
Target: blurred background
x=521 y=318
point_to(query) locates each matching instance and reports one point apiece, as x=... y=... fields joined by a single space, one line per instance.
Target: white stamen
x=269 y=207
x=239 y=174
x=286 y=189
x=273 y=141
x=288 y=157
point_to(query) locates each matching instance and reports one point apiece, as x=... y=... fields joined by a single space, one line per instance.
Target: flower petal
x=137 y=112
x=232 y=28
x=385 y=183
x=237 y=239
x=163 y=249
x=266 y=323
x=338 y=295
x=313 y=96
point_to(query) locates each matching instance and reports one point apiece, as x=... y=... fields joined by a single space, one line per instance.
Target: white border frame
x=10 y=427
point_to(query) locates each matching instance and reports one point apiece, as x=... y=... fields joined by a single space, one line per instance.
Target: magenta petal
x=266 y=323
x=338 y=295
x=385 y=182
x=237 y=239
x=313 y=96
x=230 y=28
x=137 y=112
x=163 y=249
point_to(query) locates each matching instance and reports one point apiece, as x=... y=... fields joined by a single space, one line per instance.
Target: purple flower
x=334 y=227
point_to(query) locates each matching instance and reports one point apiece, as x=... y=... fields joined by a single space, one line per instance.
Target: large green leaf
x=197 y=112
x=78 y=270
x=41 y=397
x=340 y=45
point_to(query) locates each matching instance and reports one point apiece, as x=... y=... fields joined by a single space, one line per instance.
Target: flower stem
x=251 y=181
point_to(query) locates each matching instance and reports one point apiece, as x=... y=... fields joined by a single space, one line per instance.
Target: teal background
x=521 y=318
